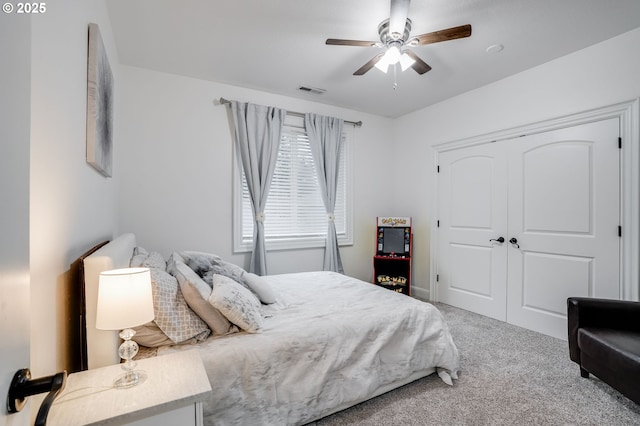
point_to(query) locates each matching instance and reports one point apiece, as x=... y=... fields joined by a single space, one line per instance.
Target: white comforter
x=329 y=342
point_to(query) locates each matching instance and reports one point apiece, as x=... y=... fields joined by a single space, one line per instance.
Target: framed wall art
x=99 y=105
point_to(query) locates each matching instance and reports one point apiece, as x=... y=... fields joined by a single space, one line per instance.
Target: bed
x=324 y=343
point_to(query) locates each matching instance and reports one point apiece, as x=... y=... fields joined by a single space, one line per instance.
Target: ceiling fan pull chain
x=395 y=76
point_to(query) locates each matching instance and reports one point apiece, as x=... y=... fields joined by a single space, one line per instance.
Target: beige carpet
x=509 y=376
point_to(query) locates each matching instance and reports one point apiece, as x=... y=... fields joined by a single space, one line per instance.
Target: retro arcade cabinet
x=392 y=261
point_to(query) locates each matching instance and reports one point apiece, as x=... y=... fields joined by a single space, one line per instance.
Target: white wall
x=600 y=75
x=72 y=206
x=175 y=164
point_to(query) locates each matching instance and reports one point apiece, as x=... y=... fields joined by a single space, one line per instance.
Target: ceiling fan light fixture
x=382 y=65
x=406 y=61
x=394 y=37
x=392 y=55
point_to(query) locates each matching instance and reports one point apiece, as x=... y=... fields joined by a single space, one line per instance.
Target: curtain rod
x=299 y=114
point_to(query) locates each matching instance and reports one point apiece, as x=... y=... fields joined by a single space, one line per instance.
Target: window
x=295 y=216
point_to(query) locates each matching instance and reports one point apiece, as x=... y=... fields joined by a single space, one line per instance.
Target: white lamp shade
x=125 y=299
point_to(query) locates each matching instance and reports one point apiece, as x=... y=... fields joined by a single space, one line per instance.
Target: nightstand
x=172 y=394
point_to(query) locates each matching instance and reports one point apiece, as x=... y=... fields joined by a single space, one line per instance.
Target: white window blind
x=295 y=215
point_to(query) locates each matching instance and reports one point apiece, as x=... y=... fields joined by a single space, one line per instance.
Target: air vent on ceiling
x=313 y=90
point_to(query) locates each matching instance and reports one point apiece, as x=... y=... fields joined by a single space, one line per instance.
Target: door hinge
x=619 y=143
x=619 y=231
x=438 y=224
x=437 y=277
x=438 y=169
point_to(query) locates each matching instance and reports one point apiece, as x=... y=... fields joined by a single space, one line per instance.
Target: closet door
x=564 y=211
x=472 y=269
x=557 y=195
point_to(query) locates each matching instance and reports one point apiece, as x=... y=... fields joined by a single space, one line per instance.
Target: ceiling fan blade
x=419 y=65
x=341 y=42
x=398 y=17
x=366 y=67
x=444 y=35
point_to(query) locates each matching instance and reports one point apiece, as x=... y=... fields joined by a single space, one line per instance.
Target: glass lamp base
x=129 y=379
x=128 y=349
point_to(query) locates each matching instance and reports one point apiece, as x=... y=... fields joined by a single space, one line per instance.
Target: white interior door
x=15 y=106
x=558 y=195
x=472 y=270
x=564 y=211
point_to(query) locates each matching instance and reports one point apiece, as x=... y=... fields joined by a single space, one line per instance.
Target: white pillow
x=260 y=287
x=239 y=305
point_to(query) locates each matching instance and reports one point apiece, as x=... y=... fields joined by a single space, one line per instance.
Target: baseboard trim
x=420 y=293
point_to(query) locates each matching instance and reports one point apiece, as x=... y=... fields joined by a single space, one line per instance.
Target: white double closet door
x=556 y=196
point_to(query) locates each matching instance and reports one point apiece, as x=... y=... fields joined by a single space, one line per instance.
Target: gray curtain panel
x=325 y=138
x=258 y=130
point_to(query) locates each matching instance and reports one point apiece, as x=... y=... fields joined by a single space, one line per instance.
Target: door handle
x=499 y=239
x=23 y=386
x=514 y=242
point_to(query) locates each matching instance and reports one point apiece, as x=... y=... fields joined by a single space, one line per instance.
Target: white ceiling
x=279 y=45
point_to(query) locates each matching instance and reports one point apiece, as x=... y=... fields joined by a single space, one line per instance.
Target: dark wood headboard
x=77 y=313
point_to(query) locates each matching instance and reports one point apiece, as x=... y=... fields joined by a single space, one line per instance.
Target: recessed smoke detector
x=495 y=48
x=313 y=90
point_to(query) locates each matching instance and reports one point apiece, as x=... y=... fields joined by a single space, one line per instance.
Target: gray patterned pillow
x=172 y=314
x=238 y=304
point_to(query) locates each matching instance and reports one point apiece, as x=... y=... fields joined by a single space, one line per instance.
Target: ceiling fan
x=394 y=39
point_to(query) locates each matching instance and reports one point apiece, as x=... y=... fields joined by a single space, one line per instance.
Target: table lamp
x=125 y=300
